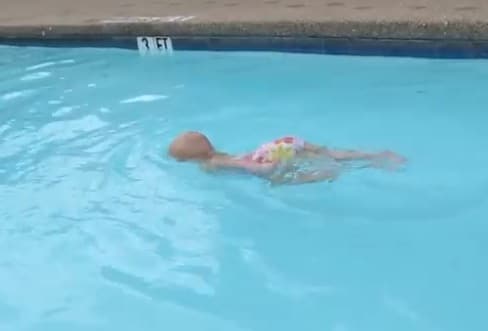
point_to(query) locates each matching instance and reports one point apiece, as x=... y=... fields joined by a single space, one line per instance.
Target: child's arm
x=259 y=169
x=304 y=177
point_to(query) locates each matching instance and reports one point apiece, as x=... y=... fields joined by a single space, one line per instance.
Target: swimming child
x=279 y=161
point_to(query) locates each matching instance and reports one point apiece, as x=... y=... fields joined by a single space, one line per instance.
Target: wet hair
x=191 y=145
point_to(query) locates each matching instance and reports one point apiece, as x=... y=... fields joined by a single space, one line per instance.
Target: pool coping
x=435 y=39
x=452 y=30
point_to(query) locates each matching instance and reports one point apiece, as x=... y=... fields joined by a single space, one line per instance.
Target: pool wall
x=318 y=45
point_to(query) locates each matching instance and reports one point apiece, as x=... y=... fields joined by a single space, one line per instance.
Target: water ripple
x=145 y=98
x=40 y=66
x=36 y=75
x=64 y=110
x=16 y=94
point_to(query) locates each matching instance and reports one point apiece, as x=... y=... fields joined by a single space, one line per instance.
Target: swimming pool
x=99 y=230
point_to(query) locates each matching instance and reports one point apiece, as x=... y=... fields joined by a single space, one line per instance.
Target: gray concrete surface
x=404 y=19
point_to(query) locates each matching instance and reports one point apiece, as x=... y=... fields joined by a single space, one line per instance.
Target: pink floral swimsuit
x=278 y=150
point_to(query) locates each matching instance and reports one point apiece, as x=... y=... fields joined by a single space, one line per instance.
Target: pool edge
x=421 y=30
x=451 y=39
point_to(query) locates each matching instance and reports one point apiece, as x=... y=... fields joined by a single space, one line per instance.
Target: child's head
x=191 y=146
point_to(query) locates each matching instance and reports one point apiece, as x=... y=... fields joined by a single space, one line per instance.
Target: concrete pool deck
x=378 y=19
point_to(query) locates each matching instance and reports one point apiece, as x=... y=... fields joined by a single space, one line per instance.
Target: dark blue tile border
x=344 y=46
x=126 y=43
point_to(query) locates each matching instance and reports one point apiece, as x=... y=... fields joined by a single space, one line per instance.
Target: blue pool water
x=99 y=230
